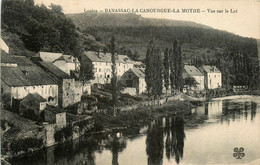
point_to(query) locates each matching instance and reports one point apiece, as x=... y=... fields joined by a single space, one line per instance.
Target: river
x=227 y=124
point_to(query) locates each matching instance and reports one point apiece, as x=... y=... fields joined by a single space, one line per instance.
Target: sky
x=244 y=20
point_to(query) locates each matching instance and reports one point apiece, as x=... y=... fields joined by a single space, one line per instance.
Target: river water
x=227 y=124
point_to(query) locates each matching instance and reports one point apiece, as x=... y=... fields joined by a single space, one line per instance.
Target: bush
x=63 y=134
x=25 y=144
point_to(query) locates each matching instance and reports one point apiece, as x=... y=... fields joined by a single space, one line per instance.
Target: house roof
x=139 y=72
x=25 y=76
x=192 y=70
x=54 y=70
x=33 y=97
x=210 y=69
x=6 y=58
x=102 y=57
x=49 y=57
x=14 y=59
x=53 y=109
x=21 y=60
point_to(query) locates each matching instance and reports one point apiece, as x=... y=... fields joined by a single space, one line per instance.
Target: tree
x=157 y=68
x=176 y=67
x=149 y=67
x=153 y=70
x=112 y=48
x=166 y=69
x=190 y=81
x=56 y=8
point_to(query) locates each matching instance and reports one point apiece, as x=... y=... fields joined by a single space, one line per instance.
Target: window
x=215 y=76
x=69 y=84
x=24 y=87
x=99 y=69
x=108 y=76
x=33 y=87
x=119 y=64
x=106 y=63
x=100 y=76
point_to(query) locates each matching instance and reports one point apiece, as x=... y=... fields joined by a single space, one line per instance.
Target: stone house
x=54 y=115
x=192 y=71
x=134 y=78
x=102 y=65
x=17 y=82
x=32 y=105
x=212 y=76
x=65 y=82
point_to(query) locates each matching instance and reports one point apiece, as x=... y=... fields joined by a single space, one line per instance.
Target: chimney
x=214 y=68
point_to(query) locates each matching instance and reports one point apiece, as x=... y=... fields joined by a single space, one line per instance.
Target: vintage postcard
x=130 y=82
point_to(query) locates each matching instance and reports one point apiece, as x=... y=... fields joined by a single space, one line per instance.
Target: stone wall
x=68 y=87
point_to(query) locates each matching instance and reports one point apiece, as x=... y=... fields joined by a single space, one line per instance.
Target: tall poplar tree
x=166 y=69
x=176 y=67
x=112 y=47
x=149 y=67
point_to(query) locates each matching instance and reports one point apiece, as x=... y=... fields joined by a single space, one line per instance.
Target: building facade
x=17 y=83
x=134 y=78
x=65 y=83
x=212 y=76
x=192 y=71
x=102 y=65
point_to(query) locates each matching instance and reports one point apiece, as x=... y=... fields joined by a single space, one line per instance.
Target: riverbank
x=131 y=121
x=234 y=97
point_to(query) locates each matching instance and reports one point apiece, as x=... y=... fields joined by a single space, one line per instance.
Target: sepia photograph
x=130 y=82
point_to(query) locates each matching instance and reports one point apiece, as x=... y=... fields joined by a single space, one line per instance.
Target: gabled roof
x=33 y=96
x=49 y=57
x=102 y=57
x=192 y=70
x=21 y=60
x=139 y=72
x=210 y=69
x=55 y=110
x=49 y=67
x=14 y=59
x=25 y=76
x=6 y=58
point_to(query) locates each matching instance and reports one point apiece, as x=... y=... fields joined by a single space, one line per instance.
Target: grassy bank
x=130 y=120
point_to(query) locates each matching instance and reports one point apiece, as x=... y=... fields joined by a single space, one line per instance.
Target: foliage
x=190 y=81
x=154 y=70
x=63 y=134
x=149 y=67
x=112 y=48
x=18 y=145
x=166 y=69
x=28 y=28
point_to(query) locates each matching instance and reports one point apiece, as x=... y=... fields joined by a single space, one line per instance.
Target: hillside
x=95 y=19
x=28 y=28
x=133 y=33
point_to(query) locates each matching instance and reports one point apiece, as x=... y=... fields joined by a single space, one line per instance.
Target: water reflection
x=226 y=110
x=173 y=131
x=115 y=143
x=232 y=123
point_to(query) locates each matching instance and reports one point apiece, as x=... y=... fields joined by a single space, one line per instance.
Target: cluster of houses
x=52 y=78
